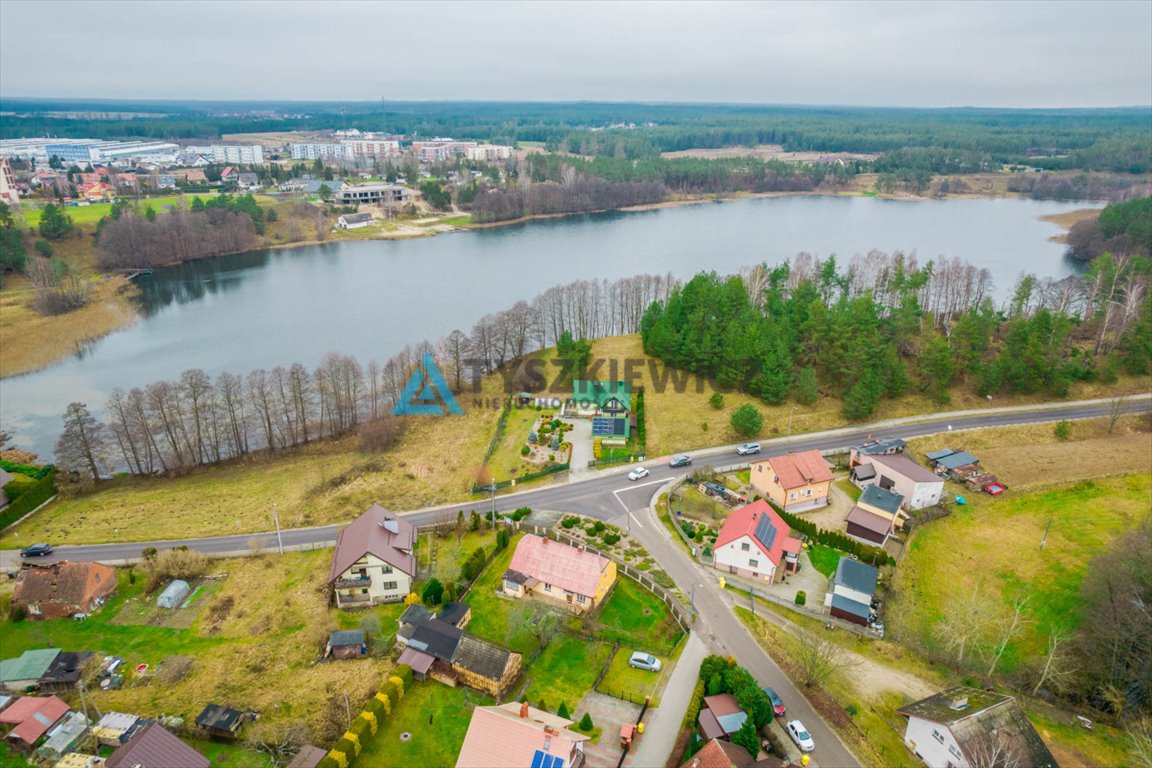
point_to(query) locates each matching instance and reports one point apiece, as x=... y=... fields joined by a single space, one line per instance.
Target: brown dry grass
x=769 y=152
x=30 y=341
x=1068 y=218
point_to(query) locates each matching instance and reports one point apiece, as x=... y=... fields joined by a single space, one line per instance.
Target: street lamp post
x=492 y=488
x=276 y=521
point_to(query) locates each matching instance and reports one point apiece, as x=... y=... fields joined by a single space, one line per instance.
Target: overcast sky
x=931 y=54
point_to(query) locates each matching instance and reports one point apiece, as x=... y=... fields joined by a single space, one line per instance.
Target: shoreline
x=119 y=312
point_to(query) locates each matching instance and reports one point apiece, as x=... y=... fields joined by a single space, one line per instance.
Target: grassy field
x=437 y=718
x=254 y=644
x=634 y=616
x=1000 y=559
x=315 y=485
x=565 y=671
x=450 y=554
x=626 y=682
x=502 y=620
x=506 y=461
x=849 y=488
x=91 y=214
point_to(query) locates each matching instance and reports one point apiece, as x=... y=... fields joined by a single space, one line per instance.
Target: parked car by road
x=36 y=550
x=680 y=461
x=638 y=473
x=777 y=702
x=642 y=660
x=800 y=735
x=748 y=449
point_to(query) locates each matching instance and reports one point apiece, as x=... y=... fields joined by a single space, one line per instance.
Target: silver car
x=642 y=660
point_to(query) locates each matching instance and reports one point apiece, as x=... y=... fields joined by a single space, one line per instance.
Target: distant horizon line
x=612 y=102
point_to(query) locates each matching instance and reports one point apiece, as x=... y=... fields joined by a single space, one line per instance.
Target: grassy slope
x=259 y=654
x=993 y=545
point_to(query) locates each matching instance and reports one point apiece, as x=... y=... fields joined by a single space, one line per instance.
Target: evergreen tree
x=746 y=737
x=938 y=368
x=806 y=390
x=54 y=223
x=747 y=420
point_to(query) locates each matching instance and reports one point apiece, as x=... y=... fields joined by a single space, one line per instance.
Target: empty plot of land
x=772 y=152
x=1037 y=465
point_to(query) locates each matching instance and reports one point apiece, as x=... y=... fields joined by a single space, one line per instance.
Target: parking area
x=609 y=714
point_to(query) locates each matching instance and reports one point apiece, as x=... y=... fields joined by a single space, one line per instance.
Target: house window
x=547 y=587
x=386 y=569
x=364 y=591
x=753 y=563
x=938 y=736
x=581 y=599
x=793 y=496
x=759 y=467
x=389 y=586
x=808 y=492
x=744 y=547
x=955 y=752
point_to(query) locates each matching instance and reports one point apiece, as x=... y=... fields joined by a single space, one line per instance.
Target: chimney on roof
x=545 y=539
x=524 y=710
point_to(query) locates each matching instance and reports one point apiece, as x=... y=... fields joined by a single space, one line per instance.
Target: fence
x=682 y=615
x=547 y=471
x=34 y=496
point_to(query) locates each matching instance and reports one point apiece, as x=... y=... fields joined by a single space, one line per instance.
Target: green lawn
x=697 y=506
x=993 y=545
x=824 y=559
x=634 y=616
x=450 y=554
x=230 y=755
x=90 y=214
x=849 y=488
x=627 y=682
x=502 y=620
x=507 y=456
x=437 y=718
x=565 y=671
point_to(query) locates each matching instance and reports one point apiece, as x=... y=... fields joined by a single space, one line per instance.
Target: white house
x=373 y=562
x=896 y=472
x=969 y=728
x=354 y=220
x=756 y=543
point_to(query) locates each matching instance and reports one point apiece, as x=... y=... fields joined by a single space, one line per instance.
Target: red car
x=777 y=704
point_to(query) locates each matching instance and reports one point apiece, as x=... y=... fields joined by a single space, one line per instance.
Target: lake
x=370 y=298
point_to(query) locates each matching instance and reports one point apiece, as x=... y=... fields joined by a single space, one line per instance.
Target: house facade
x=796 y=482
x=373 y=562
x=920 y=487
x=62 y=589
x=572 y=577
x=756 y=543
x=964 y=727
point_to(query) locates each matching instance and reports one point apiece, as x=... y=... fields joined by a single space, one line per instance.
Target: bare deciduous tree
x=820 y=658
x=83 y=444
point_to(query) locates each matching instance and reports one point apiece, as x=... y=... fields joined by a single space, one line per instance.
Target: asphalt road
x=607 y=494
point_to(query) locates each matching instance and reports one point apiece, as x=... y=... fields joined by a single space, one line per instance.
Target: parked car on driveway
x=680 y=461
x=748 y=448
x=800 y=735
x=36 y=550
x=777 y=702
x=642 y=660
x=638 y=473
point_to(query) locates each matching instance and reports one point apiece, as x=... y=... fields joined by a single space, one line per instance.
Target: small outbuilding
x=218 y=720
x=174 y=594
x=347 y=644
x=354 y=220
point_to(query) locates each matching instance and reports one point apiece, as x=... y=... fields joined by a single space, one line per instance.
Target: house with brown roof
x=373 y=562
x=151 y=746
x=756 y=543
x=720 y=717
x=517 y=735
x=570 y=576
x=720 y=754
x=31 y=717
x=970 y=727
x=62 y=589
x=795 y=482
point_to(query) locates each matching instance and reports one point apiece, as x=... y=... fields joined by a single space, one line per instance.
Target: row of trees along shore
x=173 y=426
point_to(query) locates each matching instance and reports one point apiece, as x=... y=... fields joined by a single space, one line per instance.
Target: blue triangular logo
x=426 y=393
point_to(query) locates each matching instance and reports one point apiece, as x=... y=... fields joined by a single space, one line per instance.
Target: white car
x=638 y=473
x=642 y=660
x=800 y=735
x=748 y=449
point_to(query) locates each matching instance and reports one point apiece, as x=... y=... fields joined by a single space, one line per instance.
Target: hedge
x=863 y=552
x=28 y=470
x=404 y=672
x=35 y=495
x=694 y=705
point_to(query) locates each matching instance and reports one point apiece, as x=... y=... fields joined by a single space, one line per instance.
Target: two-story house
x=796 y=482
x=876 y=514
x=756 y=543
x=373 y=562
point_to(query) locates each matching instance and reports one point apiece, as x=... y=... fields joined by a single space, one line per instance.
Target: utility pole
x=492 y=488
x=276 y=521
x=752 y=599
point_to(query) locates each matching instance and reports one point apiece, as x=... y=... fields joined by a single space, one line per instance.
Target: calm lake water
x=370 y=298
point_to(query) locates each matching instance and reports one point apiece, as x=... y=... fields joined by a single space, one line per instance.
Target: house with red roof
x=373 y=562
x=517 y=735
x=31 y=717
x=796 y=482
x=757 y=544
x=574 y=577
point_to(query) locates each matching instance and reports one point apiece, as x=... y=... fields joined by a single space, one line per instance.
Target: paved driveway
x=608 y=713
x=581 y=439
